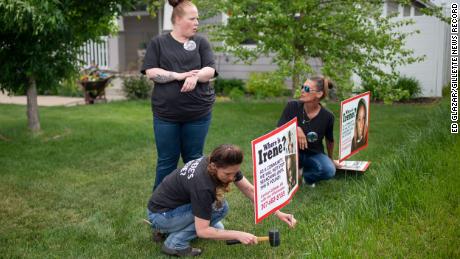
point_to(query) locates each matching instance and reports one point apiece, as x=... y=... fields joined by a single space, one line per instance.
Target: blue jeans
x=316 y=167
x=179 y=224
x=175 y=139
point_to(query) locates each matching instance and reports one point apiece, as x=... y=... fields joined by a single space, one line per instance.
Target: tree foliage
x=39 y=39
x=348 y=36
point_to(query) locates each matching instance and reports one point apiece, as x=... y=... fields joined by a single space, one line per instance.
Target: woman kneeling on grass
x=314 y=123
x=190 y=202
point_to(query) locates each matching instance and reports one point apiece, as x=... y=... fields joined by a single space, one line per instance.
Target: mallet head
x=274 y=237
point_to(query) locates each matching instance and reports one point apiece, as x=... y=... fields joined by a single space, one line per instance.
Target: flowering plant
x=94 y=82
x=93 y=74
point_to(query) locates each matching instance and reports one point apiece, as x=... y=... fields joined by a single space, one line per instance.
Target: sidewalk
x=113 y=93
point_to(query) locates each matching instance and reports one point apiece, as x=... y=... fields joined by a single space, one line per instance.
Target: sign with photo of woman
x=275 y=165
x=354 y=125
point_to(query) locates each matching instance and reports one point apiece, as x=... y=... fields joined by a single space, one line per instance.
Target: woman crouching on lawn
x=190 y=202
x=314 y=122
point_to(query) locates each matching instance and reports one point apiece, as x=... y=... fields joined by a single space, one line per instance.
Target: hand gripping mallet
x=273 y=237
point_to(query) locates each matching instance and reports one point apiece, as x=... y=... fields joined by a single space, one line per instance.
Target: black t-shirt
x=322 y=124
x=168 y=102
x=190 y=185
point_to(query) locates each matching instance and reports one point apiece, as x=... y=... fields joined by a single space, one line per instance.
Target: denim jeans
x=179 y=224
x=316 y=166
x=175 y=139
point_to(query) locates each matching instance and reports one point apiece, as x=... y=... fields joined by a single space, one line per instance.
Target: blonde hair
x=323 y=84
x=179 y=8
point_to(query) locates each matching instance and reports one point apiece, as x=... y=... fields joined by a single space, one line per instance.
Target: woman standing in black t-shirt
x=181 y=65
x=314 y=123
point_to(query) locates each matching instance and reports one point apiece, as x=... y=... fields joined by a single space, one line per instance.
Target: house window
x=392 y=8
x=406 y=10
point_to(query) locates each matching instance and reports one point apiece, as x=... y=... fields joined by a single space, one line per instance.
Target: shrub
x=446 y=90
x=236 y=94
x=410 y=84
x=403 y=89
x=136 y=87
x=265 y=84
x=395 y=95
x=372 y=87
x=71 y=88
x=225 y=86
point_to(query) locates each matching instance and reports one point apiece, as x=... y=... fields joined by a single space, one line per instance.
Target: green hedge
x=224 y=87
x=137 y=87
x=266 y=84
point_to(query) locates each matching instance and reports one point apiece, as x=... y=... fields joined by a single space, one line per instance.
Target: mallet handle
x=234 y=241
x=259 y=239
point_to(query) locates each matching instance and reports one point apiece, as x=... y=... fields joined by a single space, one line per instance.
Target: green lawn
x=79 y=189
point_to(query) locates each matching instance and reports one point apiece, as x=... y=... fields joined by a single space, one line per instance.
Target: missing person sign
x=358 y=166
x=354 y=125
x=275 y=169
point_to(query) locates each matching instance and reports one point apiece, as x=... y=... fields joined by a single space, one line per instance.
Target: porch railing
x=96 y=52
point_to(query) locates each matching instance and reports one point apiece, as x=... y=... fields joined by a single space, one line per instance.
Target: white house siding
x=431 y=42
x=138 y=30
x=227 y=68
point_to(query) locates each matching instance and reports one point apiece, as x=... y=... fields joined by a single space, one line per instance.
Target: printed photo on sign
x=275 y=169
x=354 y=125
x=291 y=171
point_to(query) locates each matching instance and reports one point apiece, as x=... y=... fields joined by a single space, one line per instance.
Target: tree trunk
x=32 y=106
x=295 y=82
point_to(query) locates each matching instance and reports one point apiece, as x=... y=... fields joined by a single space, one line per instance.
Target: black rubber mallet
x=273 y=237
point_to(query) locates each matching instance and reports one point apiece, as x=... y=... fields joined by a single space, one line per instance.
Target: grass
x=80 y=188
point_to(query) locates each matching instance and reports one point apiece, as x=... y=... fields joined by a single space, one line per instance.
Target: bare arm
x=330 y=152
x=204 y=230
x=205 y=74
x=301 y=138
x=330 y=148
x=162 y=76
x=248 y=190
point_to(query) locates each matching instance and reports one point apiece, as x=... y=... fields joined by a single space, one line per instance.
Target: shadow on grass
x=345 y=175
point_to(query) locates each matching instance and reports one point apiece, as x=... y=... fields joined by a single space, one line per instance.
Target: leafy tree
x=348 y=36
x=39 y=41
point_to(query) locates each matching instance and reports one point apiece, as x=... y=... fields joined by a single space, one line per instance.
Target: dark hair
x=361 y=103
x=178 y=8
x=323 y=84
x=223 y=156
x=174 y=3
x=226 y=155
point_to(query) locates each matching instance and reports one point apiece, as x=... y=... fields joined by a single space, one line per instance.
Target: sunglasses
x=308 y=89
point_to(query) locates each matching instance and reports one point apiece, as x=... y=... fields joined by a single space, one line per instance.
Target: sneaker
x=158 y=237
x=219 y=225
x=311 y=185
x=189 y=251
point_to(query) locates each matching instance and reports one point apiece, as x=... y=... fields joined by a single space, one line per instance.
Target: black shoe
x=158 y=237
x=189 y=251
